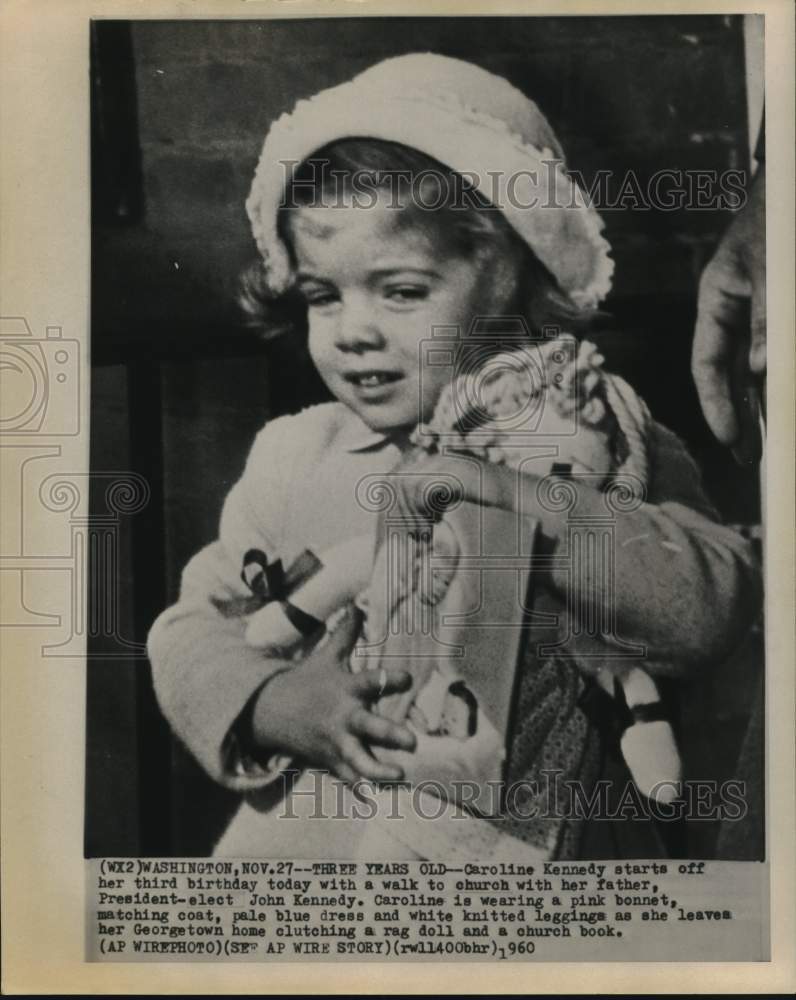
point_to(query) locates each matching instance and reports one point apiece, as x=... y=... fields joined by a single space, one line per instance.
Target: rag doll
x=585 y=423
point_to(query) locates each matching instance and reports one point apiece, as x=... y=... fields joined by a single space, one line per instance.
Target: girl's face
x=375 y=287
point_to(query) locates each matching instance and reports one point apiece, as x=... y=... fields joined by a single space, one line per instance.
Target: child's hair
x=430 y=193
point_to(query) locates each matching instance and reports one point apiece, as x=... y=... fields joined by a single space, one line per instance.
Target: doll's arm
x=344 y=573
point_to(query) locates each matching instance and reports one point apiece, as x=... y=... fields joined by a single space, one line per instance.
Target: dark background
x=180 y=384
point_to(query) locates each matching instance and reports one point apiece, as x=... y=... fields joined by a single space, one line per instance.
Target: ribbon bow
x=270 y=581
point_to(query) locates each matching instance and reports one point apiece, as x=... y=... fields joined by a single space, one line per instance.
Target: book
x=453 y=609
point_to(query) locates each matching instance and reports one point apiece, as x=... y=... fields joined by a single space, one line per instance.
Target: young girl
x=423 y=194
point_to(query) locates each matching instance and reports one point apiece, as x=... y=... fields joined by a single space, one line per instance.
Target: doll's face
x=375 y=285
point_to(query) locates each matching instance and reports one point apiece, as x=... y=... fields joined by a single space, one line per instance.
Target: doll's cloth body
x=594 y=427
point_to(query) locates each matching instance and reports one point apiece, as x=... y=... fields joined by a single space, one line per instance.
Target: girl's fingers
x=384 y=732
x=372 y=684
x=346 y=773
x=422 y=501
x=355 y=755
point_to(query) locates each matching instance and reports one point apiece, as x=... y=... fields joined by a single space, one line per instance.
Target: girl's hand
x=318 y=710
x=428 y=485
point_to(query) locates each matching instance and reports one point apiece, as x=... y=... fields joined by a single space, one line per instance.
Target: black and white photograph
x=381 y=302
x=419 y=574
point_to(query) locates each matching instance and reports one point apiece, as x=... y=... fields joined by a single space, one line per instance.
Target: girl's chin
x=389 y=426
x=386 y=419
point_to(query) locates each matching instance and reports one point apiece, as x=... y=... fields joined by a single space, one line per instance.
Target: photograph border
x=44 y=173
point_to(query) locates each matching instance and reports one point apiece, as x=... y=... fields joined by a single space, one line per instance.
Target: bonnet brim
x=527 y=182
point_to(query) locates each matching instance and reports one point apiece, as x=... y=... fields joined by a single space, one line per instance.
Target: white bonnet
x=472 y=121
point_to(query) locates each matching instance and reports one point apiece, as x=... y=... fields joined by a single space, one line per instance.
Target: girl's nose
x=358 y=328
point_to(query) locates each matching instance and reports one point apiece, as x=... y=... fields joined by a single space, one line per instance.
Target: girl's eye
x=320 y=297
x=407 y=293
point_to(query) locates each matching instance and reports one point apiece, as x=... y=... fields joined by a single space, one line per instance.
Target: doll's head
x=539 y=409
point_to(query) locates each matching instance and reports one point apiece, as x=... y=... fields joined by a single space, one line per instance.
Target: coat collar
x=356 y=436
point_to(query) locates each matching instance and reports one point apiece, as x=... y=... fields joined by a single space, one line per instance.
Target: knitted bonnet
x=468 y=119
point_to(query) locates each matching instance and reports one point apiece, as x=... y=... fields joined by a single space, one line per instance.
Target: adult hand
x=729 y=351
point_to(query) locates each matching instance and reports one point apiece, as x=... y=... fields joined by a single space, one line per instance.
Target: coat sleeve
x=683 y=588
x=204 y=674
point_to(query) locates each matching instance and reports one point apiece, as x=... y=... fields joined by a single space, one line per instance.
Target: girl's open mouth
x=373 y=379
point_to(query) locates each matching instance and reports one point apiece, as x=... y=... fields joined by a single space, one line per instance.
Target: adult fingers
x=716 y=341
x=757 y=350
